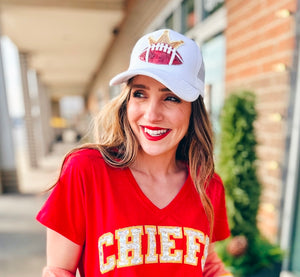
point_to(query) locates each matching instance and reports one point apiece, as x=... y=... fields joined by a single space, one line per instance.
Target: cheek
x=132 y=113
x=129 y=113
x=186 y=126
x=183 y=118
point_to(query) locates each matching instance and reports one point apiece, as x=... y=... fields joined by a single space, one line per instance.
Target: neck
x=157 y=165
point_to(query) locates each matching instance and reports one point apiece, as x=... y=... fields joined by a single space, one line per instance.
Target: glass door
x=295 y=247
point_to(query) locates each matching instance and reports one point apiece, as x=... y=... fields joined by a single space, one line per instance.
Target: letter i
x=151 y=256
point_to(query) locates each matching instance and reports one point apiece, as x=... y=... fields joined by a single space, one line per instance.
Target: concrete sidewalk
x=22 y=238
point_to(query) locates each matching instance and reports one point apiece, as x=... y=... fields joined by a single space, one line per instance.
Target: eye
x=173 y=99
x=138 y=94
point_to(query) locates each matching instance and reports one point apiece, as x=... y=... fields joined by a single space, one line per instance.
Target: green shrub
x=237 y=167
x=237 y=163
x=261 y=254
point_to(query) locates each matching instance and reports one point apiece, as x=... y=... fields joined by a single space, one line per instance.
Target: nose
x=153 y=112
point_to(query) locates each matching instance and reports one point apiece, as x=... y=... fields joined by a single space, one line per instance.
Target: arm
x=214 y=267
x=62 y=256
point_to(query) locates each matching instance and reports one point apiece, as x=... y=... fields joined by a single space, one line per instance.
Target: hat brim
x=178 y=86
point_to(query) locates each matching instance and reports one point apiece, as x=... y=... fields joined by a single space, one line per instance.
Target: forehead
x=146 y=82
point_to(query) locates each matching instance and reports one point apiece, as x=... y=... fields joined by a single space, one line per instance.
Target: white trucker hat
x=170 y=58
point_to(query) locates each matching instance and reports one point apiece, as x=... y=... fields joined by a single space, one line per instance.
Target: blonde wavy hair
x=119 y=146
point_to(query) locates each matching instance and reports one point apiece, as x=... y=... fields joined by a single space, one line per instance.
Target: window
x=210 y=6
x=188 y=15
x=214 y=60
x=170 y=22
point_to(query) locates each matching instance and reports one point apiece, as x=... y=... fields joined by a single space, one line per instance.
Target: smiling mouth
x=155 y=133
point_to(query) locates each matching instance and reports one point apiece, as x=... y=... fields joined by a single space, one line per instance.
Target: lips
x=155 y=133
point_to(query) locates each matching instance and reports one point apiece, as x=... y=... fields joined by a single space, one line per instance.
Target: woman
x=144 y=200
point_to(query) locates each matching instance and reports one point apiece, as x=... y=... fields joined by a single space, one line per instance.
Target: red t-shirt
x=122 y=232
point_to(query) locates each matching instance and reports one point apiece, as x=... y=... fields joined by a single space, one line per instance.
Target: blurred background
x=57 y=58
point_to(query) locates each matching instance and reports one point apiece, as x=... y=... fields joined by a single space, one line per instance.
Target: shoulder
x=215 y=188
x=82 y=154
x=83 y=158
x=216 y=179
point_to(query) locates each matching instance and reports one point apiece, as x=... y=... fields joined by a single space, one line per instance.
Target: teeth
x=154 y=132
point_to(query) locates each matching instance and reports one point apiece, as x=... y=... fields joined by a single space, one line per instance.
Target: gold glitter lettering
x=151 y=256
x=106 y=239
x=167 y=244
x=205 y=252
x=129 y=241
x=193 y=247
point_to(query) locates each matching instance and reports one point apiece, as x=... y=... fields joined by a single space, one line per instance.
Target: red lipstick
x=155 y=133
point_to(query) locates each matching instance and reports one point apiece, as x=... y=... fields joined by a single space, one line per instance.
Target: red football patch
x=160 y=57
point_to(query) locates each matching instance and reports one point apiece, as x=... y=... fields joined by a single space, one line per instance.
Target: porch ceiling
x=65 y=40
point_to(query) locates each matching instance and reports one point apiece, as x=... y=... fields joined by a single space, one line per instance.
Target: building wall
x=260 y=48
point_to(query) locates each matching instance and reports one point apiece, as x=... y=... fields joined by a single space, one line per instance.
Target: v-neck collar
x=149 y=204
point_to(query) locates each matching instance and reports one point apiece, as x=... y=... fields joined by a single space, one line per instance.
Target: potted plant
x=246 y=253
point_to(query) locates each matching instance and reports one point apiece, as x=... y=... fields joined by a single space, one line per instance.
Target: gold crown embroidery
x=162 y=51
x=165 y=39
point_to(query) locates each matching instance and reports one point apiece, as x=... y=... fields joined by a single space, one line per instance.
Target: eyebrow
x=146 y=87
